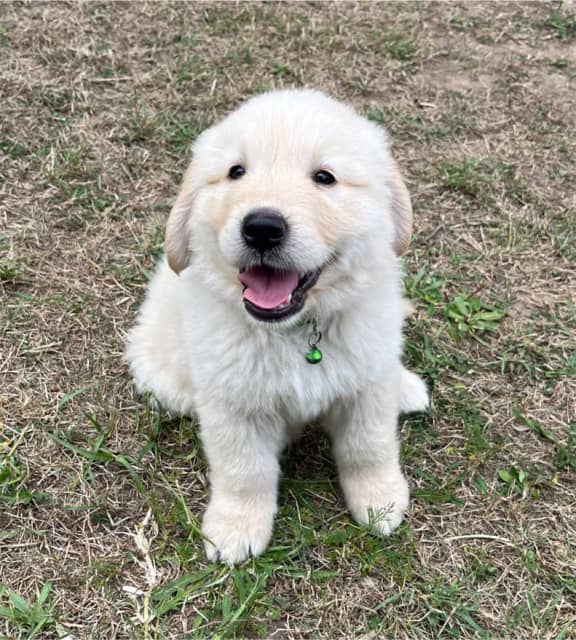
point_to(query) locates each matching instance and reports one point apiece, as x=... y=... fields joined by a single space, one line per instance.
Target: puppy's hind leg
x=154 y=348
x=413 y=392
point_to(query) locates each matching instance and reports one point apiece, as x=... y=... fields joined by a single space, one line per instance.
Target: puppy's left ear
x=401 y=209
x=177 y=239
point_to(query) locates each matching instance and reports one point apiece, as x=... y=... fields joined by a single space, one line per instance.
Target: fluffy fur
x=201 y=353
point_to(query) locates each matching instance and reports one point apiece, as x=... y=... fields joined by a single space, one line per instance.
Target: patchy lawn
x=100 y=496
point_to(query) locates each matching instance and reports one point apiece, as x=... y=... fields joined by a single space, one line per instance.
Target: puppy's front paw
x=379 y=502
x=232 y=535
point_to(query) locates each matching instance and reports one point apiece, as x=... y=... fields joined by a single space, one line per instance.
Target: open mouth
x=271 y=294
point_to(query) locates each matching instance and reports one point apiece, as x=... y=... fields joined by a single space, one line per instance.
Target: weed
x=4 y=38
x=59 y=103
x=21 y=614
x=563 y=25
x=399 y=47
x=404 y=121
x=238 y=592
x=465 y=178
x=99 y=453
x=174 y=594
x=447 y=611
x=284 y=71
x=13 y=148
x=562 y=229
x=143 y=125
x=13 y=474
x=187 y=69
x=516 y=480
x=9 y=270
x=180 y=131
x=565 y=458
x=559 y=63
x=463 y=23
x=469 y=315
x=426 y=287
x=483 y=180
x=565 y=450
x=481 y=444
x=105 y=573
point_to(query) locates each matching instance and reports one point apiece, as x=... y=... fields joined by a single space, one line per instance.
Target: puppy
x=280 y=302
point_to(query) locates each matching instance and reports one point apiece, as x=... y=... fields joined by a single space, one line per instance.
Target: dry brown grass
x=99 y=103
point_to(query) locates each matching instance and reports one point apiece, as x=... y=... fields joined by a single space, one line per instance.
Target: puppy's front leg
x=243 y=459
x=366 y=448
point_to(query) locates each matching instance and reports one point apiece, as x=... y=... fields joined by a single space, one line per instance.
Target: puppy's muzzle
x=264 y=229
x=273 y=289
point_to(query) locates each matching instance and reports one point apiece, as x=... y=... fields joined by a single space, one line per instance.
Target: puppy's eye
x=323 y=177
x=236 y=172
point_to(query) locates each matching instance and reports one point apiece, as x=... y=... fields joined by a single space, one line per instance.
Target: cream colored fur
x=198 y=350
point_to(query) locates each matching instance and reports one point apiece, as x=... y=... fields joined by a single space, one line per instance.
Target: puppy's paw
x=378 y=503
x=233 y=535
x=413 y=392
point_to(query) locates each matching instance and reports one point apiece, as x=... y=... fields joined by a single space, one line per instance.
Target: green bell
x=314 y=356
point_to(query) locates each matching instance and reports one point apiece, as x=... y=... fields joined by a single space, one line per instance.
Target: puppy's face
x=282 y=198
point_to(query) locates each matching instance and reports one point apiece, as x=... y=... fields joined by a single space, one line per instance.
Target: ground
x=101 y=495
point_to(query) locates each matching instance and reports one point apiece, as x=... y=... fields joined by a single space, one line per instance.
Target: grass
x=101 y=493
x=400 y=47
x=562 y=24
x=27 y=618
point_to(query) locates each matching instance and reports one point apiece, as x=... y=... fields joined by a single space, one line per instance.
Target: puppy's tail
x=413 y=392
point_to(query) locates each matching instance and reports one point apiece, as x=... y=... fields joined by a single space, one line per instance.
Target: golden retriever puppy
x=280 y=302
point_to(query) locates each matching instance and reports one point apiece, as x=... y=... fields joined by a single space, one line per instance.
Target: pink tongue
x=268 y=288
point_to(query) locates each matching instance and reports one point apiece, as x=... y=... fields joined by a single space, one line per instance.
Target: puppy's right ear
x=177 y=239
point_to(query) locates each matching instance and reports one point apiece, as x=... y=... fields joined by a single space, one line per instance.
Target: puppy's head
x=284 y=199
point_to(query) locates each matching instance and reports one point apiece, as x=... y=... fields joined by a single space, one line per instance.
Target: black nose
x=264 y=229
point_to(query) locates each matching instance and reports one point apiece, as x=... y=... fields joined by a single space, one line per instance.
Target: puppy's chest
x=271 y=372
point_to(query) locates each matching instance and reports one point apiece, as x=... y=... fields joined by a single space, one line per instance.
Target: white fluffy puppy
x=279 y=303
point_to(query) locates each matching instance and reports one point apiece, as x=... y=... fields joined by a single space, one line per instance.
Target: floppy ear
x=177 y=239
x=401 y=209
